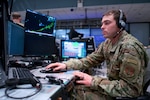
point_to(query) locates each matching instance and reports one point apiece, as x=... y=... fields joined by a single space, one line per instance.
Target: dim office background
x=85 y=15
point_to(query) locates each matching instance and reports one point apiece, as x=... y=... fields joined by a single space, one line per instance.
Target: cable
x=8 y=89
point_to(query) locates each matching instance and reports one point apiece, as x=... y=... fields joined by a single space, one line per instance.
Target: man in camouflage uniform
x=126 y=61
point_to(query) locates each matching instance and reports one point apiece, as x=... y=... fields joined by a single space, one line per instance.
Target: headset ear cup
x=122 y=24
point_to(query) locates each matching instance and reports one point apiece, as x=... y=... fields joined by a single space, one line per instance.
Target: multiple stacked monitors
x=37 y=22
x=72 y=49
x=38 y=39
x=35 y=39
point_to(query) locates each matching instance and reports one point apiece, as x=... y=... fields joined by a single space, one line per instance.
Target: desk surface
x=48 y=91
x=65 y=76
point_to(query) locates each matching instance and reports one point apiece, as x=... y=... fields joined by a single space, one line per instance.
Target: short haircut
x=116 y=14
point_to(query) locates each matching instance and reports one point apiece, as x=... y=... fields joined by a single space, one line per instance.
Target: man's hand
x=56 y=66
x=84 y=78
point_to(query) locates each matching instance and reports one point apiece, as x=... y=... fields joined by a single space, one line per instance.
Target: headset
x=122 y=24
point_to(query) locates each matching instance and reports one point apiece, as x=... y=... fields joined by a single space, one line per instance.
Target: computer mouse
x=49 y=70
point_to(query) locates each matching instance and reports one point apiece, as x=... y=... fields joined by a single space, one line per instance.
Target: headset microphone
x=119 y=30
x=117 y=33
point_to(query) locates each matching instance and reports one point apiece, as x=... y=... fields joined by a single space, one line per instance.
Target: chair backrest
x=146 y=82
x=147 y=75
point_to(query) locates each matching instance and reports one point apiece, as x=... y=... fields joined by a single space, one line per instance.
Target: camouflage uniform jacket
x=126 y=61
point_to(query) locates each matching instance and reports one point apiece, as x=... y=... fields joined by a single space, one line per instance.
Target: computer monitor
x=72 y=49
x=3 y=35
x=37 y=22
x=15 y=39
x=39 y=45
x=90 y=43
x=74 y=34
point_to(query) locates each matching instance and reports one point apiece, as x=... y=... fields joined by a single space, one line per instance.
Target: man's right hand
x=57 y=66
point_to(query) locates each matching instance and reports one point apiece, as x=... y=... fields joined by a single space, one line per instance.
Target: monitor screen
x=37 y=22
x=15 y=39
x=72 y=49
x=39 y=45
x=90 y=43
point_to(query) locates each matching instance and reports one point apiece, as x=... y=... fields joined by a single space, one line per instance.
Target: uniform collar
x=118 y=39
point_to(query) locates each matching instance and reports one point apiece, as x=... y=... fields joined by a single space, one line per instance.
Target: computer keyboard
x=21 y=76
